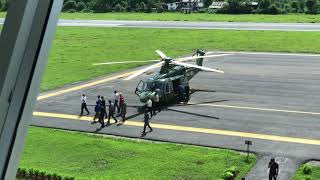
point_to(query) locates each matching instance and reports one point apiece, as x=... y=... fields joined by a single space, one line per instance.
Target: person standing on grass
x=116 y=100
x=149 y=106
x=111 y=112
x=84 y=104
x=274 y=169
x=146 y=122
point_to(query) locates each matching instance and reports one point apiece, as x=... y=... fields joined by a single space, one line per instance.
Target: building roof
x=218 y=4
x=191 y=1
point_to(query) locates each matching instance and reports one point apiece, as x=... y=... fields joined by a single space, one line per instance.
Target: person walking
x=274 y=169
x=103 y=105
x=116 y=100
x=84 y=104
x=149 y=106
x=121 y=102
x=146 y=122
x=102 y=114
x=97 y=109
x=111 y=112
x=123 y=111
x=156 y=103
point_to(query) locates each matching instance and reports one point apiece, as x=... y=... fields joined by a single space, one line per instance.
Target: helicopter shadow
x=194 y=114
x=192 y=91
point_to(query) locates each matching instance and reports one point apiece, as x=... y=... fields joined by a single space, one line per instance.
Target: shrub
x=31 y=172
x=308 y=178
x=71 y=11
x=306 y=169
x=273 y=9
x=230 y=173
x=68 y=5
x=81 y=6
x=227 y=175
x=119 y=8
x=312 y=7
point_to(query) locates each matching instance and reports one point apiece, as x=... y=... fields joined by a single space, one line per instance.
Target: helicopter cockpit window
x=148 y=86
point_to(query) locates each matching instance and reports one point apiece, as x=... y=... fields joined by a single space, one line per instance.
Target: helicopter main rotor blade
x=123 y=62
x=198 y=67
x=161 y=54
x=197 y=57
x=144 y=70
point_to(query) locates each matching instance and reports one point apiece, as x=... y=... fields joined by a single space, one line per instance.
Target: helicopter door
x=169 y=92
x=139 y=87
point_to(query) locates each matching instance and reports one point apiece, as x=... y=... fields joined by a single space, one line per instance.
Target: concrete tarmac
x=190 y=25
x=271 y=99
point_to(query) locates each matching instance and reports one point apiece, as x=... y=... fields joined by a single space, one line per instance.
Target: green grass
x=290 y=18
x=315 y=175
x=91 y=157
x=76 y=48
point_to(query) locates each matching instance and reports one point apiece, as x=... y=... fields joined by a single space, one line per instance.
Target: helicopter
x=171 y=82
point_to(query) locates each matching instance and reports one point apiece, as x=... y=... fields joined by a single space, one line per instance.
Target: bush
x=71 y=11
x=81 y=6
x=4 y=6
x=230 y=173
x=227 y=175
x=312 y=7
x=306 y=169
x=308 y=178
x=294 y=6
x=119 y=8
x=69 y=5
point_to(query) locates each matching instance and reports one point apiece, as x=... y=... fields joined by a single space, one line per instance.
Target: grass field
x=290 y=18
x=315 y=174
x=91 y=157
x=75 y=49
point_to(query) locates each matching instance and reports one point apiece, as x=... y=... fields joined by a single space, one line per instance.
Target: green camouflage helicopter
x=172 y=81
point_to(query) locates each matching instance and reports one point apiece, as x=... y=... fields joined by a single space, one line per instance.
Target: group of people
x=116 y=107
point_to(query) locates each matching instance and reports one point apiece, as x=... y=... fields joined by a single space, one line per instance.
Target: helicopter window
x=147 y=86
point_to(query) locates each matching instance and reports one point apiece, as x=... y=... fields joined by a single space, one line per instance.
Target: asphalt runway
x=191 y=25
x=271 y=99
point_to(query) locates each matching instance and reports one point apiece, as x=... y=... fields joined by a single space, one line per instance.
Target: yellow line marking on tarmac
x=56 y=93
x=194 y=129
x=259 y=109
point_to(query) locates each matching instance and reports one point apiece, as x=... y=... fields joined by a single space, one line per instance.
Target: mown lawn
x=288 y=18
x=76 y=48
x=91 y=157
x=314 y=175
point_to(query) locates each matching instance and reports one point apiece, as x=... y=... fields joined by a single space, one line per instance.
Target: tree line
x=232 y=6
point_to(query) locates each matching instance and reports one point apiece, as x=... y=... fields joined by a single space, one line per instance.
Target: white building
x=193 y=4
x=172 y=6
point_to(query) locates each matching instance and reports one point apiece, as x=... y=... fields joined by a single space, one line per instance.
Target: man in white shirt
x=149 y=106
x=116 y=100
x=84 y=104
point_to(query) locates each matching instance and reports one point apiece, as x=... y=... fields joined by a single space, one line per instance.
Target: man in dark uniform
x=84 y=104
x=97 y=109
x=274 y=169
x=146 y=122
x=111 y=112
x=103 y=105
x=102 y=115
